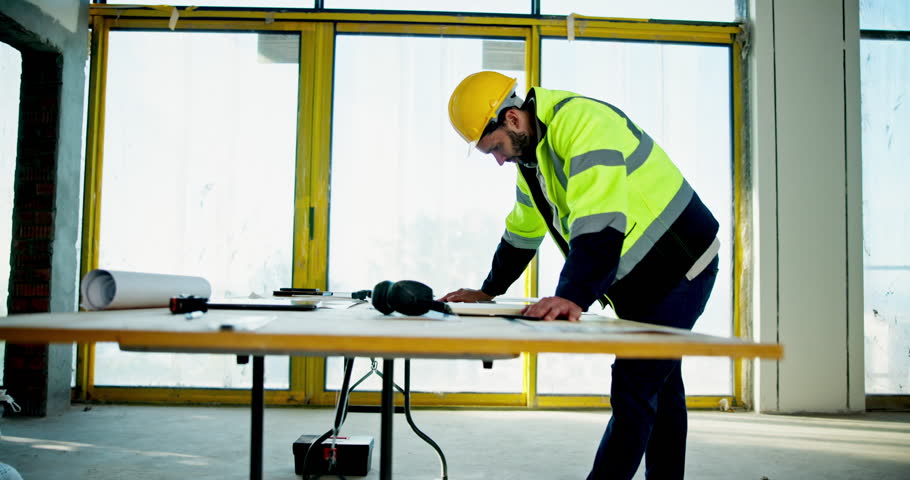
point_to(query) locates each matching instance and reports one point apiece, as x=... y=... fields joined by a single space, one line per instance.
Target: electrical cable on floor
x=341 y=402
x=340 y=414
x=407 y=415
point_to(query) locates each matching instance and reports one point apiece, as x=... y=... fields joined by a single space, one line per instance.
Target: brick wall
x=33 y=214
x=26 y=368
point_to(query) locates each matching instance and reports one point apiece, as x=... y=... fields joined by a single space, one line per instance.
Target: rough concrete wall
x=53 y=39
x=62 y=27
x=805 y=134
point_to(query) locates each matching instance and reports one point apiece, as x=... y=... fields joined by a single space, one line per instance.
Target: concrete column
x=44 y=263
x=804 y=99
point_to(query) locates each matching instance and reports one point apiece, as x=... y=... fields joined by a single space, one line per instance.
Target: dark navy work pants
x=648 y=398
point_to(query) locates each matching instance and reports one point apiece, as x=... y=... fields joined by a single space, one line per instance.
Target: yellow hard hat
x=477 y=100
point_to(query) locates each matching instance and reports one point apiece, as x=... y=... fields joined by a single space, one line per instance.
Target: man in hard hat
x=634 y=233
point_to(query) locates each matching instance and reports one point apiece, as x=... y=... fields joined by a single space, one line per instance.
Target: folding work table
x=364 y=332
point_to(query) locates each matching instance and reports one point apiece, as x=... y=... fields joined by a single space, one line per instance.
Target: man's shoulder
x=551 y=97
x=549 y=102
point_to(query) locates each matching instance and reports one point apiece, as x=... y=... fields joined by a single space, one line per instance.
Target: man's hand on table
x=552 y=308
x=547 y=309
x=466 y=295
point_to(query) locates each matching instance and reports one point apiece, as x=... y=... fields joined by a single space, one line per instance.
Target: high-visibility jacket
x=631 y=227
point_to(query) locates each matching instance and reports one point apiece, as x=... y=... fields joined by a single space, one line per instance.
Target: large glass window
x=235 y=3
x=473 y=6
x=10 y=74
x=680 y=95
x=885 y=73
x=884 y=15
x=198 y=179
x=703 y=10
x=199 y=175
x=408 y=200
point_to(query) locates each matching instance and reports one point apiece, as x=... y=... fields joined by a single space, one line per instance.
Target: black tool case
x=353 y=455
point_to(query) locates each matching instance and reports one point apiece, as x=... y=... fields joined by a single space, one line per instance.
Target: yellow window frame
x=318 y=29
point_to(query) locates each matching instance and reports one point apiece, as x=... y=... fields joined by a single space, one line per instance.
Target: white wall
x=805 y=158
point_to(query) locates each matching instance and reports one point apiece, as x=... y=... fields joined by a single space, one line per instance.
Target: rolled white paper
x=112 y=289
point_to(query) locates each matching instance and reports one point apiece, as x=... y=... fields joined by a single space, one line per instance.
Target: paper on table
x=112 y=289
x=485 y=309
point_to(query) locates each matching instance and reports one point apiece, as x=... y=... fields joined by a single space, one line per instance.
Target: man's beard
x=521 y=143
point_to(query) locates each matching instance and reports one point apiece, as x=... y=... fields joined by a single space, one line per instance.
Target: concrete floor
x=152 y=442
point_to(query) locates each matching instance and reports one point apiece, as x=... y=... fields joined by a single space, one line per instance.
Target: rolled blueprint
x=111 y=289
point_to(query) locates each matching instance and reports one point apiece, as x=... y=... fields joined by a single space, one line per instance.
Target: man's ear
x=513 y=118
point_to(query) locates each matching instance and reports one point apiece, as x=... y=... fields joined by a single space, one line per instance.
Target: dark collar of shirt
x=530 y=106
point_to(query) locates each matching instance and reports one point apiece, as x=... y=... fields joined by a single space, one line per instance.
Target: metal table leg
x=256 y=405
x=387 y=413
